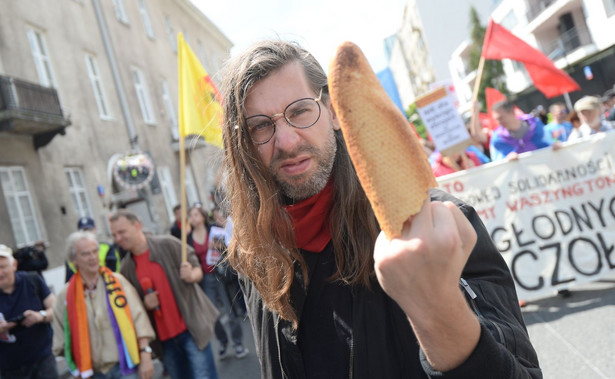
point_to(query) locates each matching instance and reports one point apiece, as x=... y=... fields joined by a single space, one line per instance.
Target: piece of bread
x=390 y=162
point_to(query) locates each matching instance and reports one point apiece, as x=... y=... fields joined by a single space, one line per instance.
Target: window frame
x=98 y=88
x=120 y=11
x=76 y=190
x=147 y=21
x=143 y=96
x=41 y=56
x=168 y=104
x=20 y=222
x=168 y=190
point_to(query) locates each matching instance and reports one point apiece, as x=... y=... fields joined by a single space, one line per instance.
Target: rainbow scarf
x=76 y=335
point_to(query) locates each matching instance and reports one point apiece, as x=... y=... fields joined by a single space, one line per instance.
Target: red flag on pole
x=500 y=43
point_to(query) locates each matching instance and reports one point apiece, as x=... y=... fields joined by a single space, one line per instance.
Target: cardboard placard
x=443 y=123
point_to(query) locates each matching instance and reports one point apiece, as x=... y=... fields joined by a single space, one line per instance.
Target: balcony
x=30 y=109
x=567 y=43
x=535 y=8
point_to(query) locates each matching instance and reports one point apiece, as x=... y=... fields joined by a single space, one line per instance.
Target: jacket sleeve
x=504 y=349
x=57 y=323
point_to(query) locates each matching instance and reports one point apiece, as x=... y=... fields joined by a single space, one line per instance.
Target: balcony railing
x=31 y=109
x=567 y=42
x=535 y=8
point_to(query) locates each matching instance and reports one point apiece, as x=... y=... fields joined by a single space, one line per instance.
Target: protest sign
x=551 y=213
x=442 y=121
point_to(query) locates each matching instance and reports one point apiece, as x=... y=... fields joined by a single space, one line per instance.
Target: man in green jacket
x=182 y=315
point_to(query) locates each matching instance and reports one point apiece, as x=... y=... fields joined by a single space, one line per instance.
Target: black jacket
x=382 y=343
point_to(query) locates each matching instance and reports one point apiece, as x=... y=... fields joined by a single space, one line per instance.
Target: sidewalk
x=575 y=337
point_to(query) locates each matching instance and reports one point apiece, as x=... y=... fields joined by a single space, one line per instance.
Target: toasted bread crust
x=389 y=160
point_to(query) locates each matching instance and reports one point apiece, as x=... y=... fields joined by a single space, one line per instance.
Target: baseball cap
x=6 y=251
x=85 y=223
x=587 y=103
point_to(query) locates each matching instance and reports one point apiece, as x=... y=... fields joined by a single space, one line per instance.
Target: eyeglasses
x=300 y=114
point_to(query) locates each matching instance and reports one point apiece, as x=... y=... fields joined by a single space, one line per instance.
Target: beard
x=304 y=186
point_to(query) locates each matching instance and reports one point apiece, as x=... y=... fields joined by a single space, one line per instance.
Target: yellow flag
x=200 y=112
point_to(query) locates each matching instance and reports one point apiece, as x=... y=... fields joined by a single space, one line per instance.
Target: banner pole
x=568 y=102
x=182 y=192
x=479 y=76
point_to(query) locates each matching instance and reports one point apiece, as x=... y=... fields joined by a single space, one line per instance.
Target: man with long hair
x=327 y=296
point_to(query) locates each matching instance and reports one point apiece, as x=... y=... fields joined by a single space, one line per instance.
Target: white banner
x=551 y=213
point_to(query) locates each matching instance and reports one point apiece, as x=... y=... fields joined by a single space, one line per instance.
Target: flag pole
x=568 y=102
x=479 y=77
x=182 y=191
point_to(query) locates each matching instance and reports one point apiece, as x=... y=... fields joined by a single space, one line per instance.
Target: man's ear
x=335 y=121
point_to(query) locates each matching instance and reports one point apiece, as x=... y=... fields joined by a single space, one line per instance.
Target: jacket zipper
x=473 y=296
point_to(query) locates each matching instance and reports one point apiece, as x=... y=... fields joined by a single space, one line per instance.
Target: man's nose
x=285 y=134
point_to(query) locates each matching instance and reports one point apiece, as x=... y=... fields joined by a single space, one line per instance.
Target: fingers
x=464 y=227
x=417 y=224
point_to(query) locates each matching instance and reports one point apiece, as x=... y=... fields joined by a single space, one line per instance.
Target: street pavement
x=574 y=337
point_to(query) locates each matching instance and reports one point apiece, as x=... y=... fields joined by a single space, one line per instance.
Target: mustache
x=281 y=155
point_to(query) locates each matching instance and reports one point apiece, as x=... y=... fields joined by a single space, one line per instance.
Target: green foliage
x=413 y=115
x=493 y=72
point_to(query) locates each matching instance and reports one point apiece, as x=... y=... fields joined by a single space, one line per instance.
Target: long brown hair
x=263 y=248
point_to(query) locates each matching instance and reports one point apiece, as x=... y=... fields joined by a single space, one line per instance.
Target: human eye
x=302 y=112
x=259 y=124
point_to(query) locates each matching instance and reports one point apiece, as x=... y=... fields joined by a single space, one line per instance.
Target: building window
x=170 y=33
x=192 y=195
x=143 y=95
x=41 y=57
x=203 y=57
x=147 y=24
x=97 y=87
x=78 y=194
x=609 y=7
x=168 y=191
x=120 y=11
x=168 y=105
x=510 y=20
x=20 y=206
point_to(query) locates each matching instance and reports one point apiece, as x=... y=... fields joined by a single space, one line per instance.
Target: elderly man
x=25 y=334
x=183 y=316
x=327 y=297
x=515 y=135
x=100 y=325
x=589 y=109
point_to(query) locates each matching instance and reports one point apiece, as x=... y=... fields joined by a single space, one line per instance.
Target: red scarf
x=310 y=220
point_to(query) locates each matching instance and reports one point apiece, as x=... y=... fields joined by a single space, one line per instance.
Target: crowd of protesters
x=517 y=132
x=111 y=320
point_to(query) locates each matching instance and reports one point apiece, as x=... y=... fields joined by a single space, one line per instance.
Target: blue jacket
x=502 y=143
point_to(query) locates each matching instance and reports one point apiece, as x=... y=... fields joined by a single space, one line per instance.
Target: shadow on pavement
x=549 y=309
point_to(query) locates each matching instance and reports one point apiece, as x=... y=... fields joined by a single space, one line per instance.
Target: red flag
x=500 y=43
x=493 y=96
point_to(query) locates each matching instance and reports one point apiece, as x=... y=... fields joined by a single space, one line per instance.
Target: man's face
x=558 y=113
x=299 y=159
x=125 y=233
x=590 y=117
x=86 y=256
x=7 y=273
x=505 y=118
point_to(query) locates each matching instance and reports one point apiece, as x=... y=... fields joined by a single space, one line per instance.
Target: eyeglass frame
x=275 y=117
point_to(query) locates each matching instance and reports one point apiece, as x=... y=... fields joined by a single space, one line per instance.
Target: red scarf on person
x=310 y=219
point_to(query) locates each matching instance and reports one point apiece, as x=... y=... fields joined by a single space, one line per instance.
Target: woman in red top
x=199 y=237
x=205 y=248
